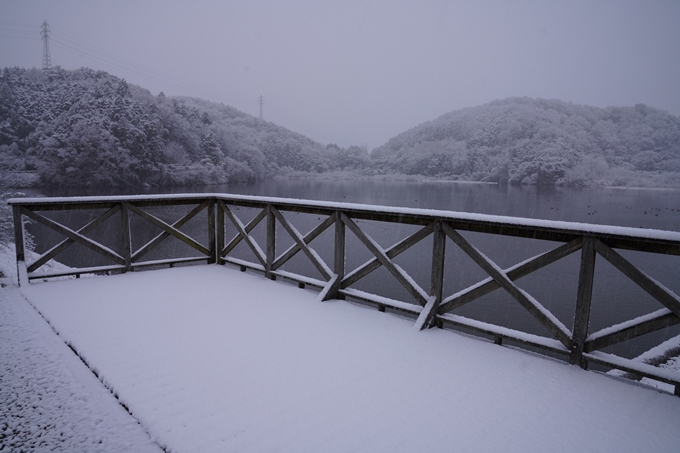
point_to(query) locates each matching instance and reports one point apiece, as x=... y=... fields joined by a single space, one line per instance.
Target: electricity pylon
x=45 y=34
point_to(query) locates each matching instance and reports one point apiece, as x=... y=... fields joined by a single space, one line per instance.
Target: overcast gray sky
x=360 y=71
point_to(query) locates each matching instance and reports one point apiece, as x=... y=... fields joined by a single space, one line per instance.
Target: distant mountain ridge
x=539 y=141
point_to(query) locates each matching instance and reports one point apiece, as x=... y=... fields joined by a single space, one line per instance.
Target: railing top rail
x=661 y=241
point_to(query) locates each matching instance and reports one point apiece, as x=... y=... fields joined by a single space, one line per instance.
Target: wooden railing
x=433 y=306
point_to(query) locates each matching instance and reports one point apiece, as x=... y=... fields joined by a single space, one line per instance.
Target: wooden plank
x=394 y=251
x=637 y=368
x=667 y=297
x=547 y=319
x=271 y=242
x=153 y=243
x=309 y=237
x=259 y=254
x=69 y=233
x=427 y=317
x=211 y=232
x=338 y=259
x=248 y=228
x=382 y=302
x=19 y=241
x=324 y=294
x=512 y=227
x=76 y=271
x=495 y=331
x=546 y=230
x=379 y=253
x=514 y=273
x=299 y=240
x=584 y=295
x=63 y=245
x=220 y=232
x=170 y=262
x=125 y=236
x=169 y=229
x=629 y=330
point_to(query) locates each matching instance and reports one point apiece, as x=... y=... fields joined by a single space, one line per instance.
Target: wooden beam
x=309 y=237
x=69 y=233
x=545 y=317
x=211 y=232
x=248 y=228
x=338 y=259
x=19 y=244
x=429 y=313
x=162 y=236
x=583 y=298
x=271 y=241
x=125 y=236
x=299 y=240
x=63 y=245
x=402 y=277
x=514 y=273
x=168 y=228
x=394 y=251
x=259 y=254
x=545 y=230
x=635 y=368
x=219 y=239
x=631 y=329
x=664 y=295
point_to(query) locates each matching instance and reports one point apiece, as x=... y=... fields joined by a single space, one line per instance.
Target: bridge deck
x=211 y=359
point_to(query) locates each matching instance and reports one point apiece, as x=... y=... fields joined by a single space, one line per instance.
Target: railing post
x=271 y=243
x=211 y=232
x=220 y=234
x=127 y=244
x=338 y=259
x=22 y=273
x=429 y=313
x=583 y=299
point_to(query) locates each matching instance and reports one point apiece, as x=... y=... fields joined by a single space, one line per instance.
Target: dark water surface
x=615 y=298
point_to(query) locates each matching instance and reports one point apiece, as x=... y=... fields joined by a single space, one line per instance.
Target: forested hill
x=538 y=141
x=89 y=128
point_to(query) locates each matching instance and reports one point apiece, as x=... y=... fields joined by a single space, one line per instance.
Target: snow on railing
x=431 y=306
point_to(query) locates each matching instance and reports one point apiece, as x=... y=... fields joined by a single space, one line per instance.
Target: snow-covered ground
x=208 y=359
x=49 y=400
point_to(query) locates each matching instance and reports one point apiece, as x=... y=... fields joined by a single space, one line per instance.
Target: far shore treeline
x=87 y=128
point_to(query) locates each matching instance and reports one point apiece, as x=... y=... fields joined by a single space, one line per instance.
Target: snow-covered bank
x=211 y=359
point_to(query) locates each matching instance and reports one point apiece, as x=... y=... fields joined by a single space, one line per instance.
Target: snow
x=524 y=337
x=576 y=227
x=50 y=400
x=626 y=324
x=663 y=356
x=211 y=359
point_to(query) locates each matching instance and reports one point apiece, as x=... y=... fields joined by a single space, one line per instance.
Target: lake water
x=615 y=298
